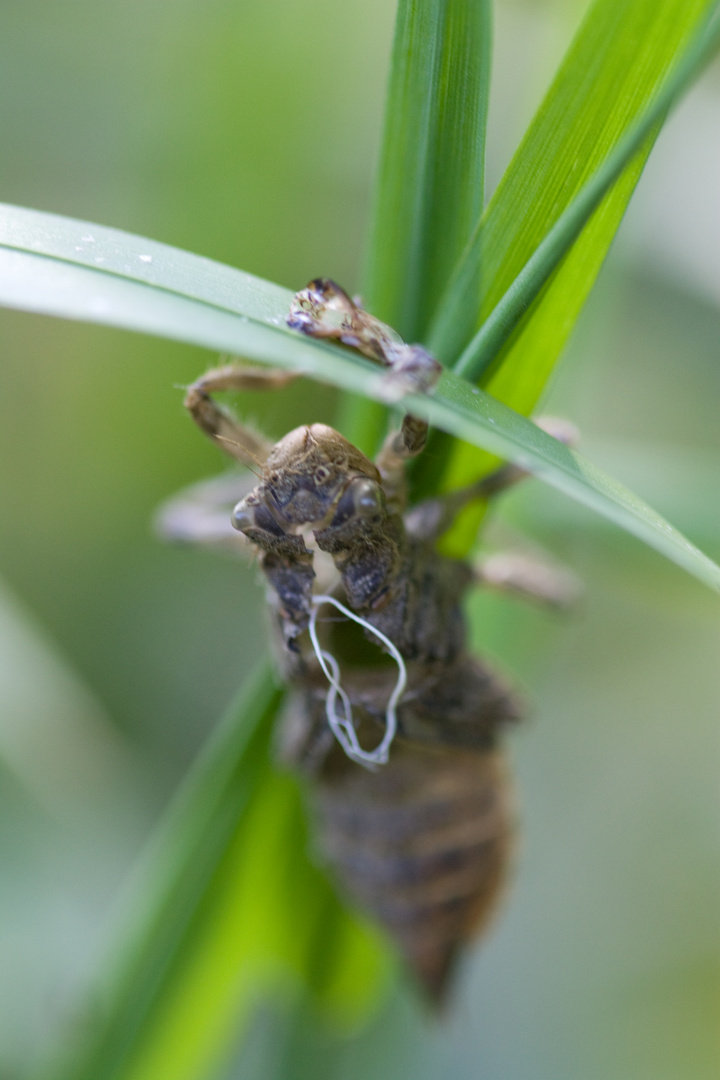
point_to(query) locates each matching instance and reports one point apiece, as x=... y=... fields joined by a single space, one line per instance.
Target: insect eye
x=242 y=518
x=321 y=474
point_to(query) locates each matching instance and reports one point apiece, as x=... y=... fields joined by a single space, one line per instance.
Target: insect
x=408 y=787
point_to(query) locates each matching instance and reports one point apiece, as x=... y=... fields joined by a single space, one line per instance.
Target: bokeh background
x=247 y=133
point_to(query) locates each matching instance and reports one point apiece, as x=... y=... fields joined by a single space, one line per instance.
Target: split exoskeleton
x=421 y=842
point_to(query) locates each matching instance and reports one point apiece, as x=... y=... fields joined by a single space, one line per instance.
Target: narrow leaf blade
x=168 y=888
x=486 y=423
x=226 y=908
x=266 y=919
x=622 y=166
x=617 y=62
x=429 y=190
x=120 y=254
x=606 y=88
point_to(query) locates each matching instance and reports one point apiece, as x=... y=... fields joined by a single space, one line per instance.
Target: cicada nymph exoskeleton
x=415 y=820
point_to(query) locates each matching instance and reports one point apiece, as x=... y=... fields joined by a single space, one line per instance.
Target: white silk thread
x=342 y=726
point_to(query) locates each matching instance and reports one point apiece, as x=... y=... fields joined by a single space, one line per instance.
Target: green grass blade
x=481 y=420
x=614 y=68
x=176 y=871
x=54 y=286
x=111 y=252
x=226 y=907
x=267 y=923
x=429 y=191
x=484 y=349
x=619 y=58
x=31 y=282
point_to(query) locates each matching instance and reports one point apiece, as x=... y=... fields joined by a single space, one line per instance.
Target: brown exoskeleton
x=324 y=310
x=418 y=836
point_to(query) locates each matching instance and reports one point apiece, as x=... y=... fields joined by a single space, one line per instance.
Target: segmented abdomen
x=421 y=844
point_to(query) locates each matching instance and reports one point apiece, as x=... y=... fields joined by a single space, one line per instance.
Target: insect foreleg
x=529 y=579
x=399 y=448
x=366 y=544
x=433 y=517
x=324 y=310
x=234 y=438
x=286 y=562
x=200 y=514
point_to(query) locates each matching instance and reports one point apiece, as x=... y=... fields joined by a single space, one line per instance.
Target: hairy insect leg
x=433 y=517
x=528 y=578
x=200 y=514
x=236 y=439
x=399 y=448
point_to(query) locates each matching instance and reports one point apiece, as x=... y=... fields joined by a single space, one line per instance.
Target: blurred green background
x=247 y=133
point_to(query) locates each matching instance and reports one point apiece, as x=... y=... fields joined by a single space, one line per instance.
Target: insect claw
x=324 y=310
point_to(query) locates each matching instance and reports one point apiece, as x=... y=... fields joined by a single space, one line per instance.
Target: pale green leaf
x=171 y=883
x=225 y=908
x=613 y=70
x=523 y=372
x=483 y=351
x=429 y=190
x=266 y=922
x=605 y=105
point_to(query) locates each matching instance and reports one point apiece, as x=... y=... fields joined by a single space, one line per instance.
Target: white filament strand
x=343 y=727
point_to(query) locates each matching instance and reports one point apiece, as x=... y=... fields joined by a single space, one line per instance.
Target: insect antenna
x=246 y=454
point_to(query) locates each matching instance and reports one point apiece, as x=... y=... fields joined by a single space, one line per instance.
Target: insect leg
x=286 y=563
x=431 y=518
x=234 y=438
x=200 y=514
x=399 y=448
x=529 y=579
x=509 y=474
